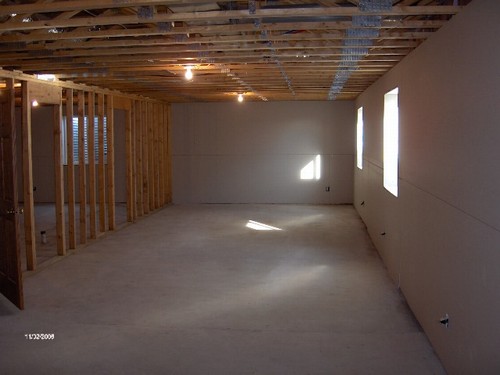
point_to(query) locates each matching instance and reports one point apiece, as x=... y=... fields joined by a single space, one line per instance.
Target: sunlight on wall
x=255 y=225
x=307 y=173
x=312 y=171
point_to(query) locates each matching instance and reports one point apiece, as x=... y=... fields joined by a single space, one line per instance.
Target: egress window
x=359 y=139
x=74 y=124
x=391 y=141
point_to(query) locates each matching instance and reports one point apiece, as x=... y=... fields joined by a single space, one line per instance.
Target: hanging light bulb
x=189 y=73
x=34 y=103
x=240 y=97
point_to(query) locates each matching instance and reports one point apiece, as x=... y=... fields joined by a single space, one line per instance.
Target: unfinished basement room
x=259 y=187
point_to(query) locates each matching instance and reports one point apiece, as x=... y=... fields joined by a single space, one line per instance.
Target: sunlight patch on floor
x=255 y=225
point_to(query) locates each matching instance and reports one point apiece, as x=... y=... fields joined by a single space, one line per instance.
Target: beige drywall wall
x=254 y=152
x=442 y=234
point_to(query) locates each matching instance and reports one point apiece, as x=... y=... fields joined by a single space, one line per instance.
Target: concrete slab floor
x=45 y=219
x=191 y=289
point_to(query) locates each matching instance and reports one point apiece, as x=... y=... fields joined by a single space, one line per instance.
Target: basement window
x=75 y=140
x=46 y=77
x=359 y=139
x=391 y=141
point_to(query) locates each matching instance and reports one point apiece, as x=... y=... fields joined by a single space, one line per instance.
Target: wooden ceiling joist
x=223 y=15
x=219 y=30
x=284 y=50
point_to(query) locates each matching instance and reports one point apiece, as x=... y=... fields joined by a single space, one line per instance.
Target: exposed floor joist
x=267 y=50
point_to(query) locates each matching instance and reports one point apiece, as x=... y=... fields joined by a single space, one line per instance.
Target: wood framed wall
x=29 y=215
x=70 y=173
x=82 y=188
x=59 y=180
x=92 y=166
x=149 y=172
x=11 y=281
x=90 y=187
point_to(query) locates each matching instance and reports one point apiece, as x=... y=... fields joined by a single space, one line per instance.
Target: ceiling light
x=240 y=98
x=189 y=73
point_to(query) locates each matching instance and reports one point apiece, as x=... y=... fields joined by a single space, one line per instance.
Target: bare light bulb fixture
x=34 y=103
x=189 y=73
x=240 y=98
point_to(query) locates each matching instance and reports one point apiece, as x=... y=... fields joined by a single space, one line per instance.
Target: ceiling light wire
x=357 y=41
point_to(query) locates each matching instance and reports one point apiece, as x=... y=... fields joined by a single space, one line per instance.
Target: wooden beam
x=156 y=155
x=151 y=161
x=29 y=207
x=70 y=170
x=110 y=126
x=18 y=75
x=21 y=11
x=225 y=15
x=81 y=167
x=161 y=154
x=59 y=181
x=168 y=129
x=215 y=30
x=130 y=162
x=254 y=45
x=45 y=94
x=101 y=163
x=134 y=159
x=138 y=157
x=166 y=150
x=92 y=167
x=122 y=103
x=170 y=56
x=145 y=156
x=70 y=5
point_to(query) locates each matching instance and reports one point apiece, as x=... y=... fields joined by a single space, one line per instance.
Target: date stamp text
x=39 y=336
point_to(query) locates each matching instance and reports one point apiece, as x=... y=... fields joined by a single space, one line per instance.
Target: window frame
x=359 y=138
x=76 y=159
x=391 y=141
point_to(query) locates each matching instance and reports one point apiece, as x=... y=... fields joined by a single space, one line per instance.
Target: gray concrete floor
x=45 y=220
x=193 y=290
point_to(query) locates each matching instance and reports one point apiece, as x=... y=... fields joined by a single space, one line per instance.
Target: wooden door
x=10 y=263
